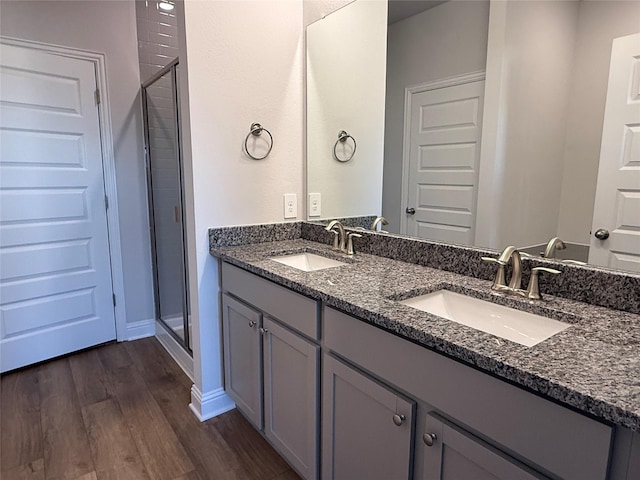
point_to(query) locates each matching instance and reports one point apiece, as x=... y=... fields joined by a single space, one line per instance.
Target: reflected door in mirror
x=617 y=207
x=444 y=135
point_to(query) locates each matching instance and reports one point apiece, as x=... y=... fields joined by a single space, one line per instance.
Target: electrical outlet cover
x=315 y=205
x=290 y=205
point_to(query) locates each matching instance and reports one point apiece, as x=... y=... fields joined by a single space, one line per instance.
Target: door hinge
x=97 y=96
x=114 y=299
x=106 y=202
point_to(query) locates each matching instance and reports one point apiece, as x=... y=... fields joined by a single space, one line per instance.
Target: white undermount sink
x=308 y=262
x=524 y=328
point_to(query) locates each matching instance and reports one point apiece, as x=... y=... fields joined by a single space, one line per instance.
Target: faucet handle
x=533 y=292
x=350 y=250
x=492 y=260
x=499 y=282
x=336 y=242
x=546 y=269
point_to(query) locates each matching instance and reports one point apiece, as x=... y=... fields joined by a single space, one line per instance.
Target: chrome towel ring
x=342 y=138
x=256 y=131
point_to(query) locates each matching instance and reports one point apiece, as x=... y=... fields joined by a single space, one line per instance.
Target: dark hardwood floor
x=120 y=411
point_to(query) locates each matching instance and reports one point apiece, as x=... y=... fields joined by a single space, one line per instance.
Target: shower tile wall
x=157 y=37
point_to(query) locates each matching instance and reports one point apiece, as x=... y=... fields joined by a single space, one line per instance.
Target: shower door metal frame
x=171 y=67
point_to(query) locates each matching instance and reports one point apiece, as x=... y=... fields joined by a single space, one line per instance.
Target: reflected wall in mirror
x=346 y=63
x=494 y=115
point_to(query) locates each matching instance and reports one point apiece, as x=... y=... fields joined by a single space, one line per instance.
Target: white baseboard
x=173 y=348
x=141 y=329
x=211 y=404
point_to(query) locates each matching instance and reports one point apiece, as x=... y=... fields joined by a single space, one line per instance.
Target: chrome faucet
x=512 y=254
x=554 y=244
x=340 y=240
x=382 y=220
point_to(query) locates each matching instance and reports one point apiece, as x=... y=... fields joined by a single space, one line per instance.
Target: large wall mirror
x=481 y=122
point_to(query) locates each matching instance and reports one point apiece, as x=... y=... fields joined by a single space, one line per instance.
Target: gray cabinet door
x=367 y=428
x=453 y=454
x=291 y=396
x=243 y=357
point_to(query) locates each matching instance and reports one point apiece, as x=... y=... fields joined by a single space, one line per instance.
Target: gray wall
x=598 y=24
x=447 y=40
x=523 y=127
x=109 y=28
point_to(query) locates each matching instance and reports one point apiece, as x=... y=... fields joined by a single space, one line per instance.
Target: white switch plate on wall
x=290 y=205
x=315 y=205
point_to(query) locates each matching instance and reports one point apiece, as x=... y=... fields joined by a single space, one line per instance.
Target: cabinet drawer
x=295 y=310
x=544 y=434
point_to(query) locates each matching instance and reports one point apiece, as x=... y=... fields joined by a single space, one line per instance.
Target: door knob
x=601 y=234
x=411 y=211
x=252 y=324
x=429 y=439
x=398 y=419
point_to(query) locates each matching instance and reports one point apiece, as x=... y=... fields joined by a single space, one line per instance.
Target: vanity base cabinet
x=291 y=396
x=551 y=439
x=367 y=428
x=272 y=363
x=453 y=454
x=243 y=357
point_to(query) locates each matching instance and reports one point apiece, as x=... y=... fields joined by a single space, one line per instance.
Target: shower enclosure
x=166 y=202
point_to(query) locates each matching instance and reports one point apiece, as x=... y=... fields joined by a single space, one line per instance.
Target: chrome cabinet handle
x=429 y=439
x=601 y=234
x=263 y=330
x=398 y=419
x=252 y=324
x=411 y=211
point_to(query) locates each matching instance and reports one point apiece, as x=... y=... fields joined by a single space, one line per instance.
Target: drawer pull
x=398 y=419
x=429 y=439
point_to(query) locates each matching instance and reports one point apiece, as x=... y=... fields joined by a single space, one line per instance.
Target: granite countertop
x=593 y=366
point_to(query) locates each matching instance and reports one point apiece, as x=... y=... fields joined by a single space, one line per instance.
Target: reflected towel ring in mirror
x=342 y=138
x=256 y=131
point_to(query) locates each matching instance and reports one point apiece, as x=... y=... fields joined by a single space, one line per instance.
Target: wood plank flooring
x=120 y=411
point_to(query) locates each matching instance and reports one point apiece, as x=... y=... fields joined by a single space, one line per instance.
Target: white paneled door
x=444 y=152
x=615 y=234
x=55 y=272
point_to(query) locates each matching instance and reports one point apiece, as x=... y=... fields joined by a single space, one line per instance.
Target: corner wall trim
x=140 y=329
x=173 y=348
x=211 y=404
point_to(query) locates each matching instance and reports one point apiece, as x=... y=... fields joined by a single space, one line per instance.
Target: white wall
x=345 y=82
x=109 y=28
x=529 y=67
x=244 y=64
x=447 y=40
x=599 y=22
x=314 y=10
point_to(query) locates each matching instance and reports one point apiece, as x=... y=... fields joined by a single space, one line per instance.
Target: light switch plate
x=290 y=205
x=315 y=205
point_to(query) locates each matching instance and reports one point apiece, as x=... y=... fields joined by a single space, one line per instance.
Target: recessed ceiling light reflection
x=166 y=6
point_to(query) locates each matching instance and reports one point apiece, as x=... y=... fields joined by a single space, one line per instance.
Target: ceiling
x=401 y=9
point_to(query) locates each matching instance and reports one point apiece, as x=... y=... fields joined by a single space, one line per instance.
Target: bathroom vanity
x=347 y=382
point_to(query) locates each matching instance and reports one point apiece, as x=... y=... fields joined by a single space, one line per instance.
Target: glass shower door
x=165 y=188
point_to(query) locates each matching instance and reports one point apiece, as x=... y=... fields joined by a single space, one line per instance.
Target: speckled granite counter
x=593 y=366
